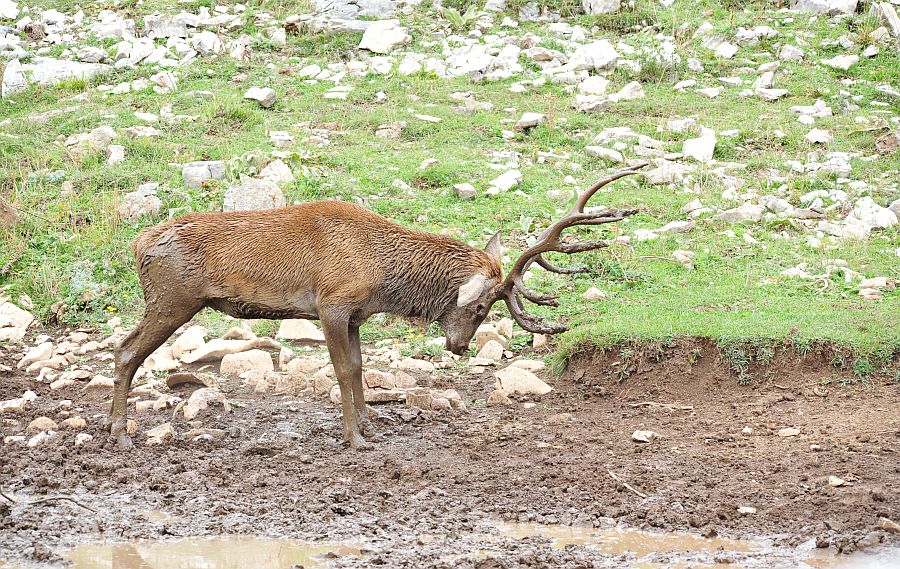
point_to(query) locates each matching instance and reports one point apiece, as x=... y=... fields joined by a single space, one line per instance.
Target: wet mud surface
x=441 y=488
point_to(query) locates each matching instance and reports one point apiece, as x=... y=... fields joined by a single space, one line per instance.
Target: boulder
x=251 y=360
x=517 y=380
x=300 y=330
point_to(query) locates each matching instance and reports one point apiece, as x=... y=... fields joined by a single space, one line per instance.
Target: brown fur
x=330 y=260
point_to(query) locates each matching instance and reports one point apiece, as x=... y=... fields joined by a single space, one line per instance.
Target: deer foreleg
x=347 y=361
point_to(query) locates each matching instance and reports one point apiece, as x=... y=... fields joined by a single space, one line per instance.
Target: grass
x=71 y=245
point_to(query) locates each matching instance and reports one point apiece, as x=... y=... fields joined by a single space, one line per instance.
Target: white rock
x=869 y=214
x=684 y=257
x=253 y=194
x=251 y=360
x=195 y=173
x=517 y=380
x=629 y=92
x=139 y=203
x=14 y=321
x=888 y=15
x=278 y=172
x=598 y=55
x=465 y=191
x=593 y=85
x=746 y=212
x=115 y=154
x=207 y=43
x=788 y=432
x=383 y=36
x=593 y=7
x=189 y=340
x=161 y=434
x=413 y=364
x=605 y=153
x=594 y=293
x=300 y=330
x=710 y=92
x=643 y=436
x=790 y=53
x=746 y=510
x=492 y=351
x=701 y=149
x=202 y=399
x=819 y=136
x=842 y=62
x=218 y=349
x=36 y=354
x=878 y=283
x=530 y=120
x=506 y=181
x=82 y=439
x=265 y=96
x=829 y=7
x=9 y=10
x=45 y=71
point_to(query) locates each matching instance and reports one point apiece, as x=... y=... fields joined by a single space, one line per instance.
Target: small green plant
x=459 y=22
x=863 y=367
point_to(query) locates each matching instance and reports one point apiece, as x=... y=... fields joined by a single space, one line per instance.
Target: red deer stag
x=336 y=262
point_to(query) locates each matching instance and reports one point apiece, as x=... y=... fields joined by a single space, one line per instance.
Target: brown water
x=233 y=552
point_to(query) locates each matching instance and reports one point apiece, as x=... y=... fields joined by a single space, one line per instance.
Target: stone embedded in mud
x=291 y=383
x=834 y=481
x=74 y=423
x=300 y=330
x=788 y=432
x=100 y=382
x=413 y=364
x=517 y=380
x=305 y=364
x=82 y=439
x=178 y=379
x=746 y=510
x=38 y=439
x=14 y=321
x=498 y=397
x=18 y=404
x=643 y=436
x=35 y=354
x=42 y=424
x=322 y=384
x=201 y=399
x=161 y=434
x=251 y=360
x=531 y=365
x=888 y=525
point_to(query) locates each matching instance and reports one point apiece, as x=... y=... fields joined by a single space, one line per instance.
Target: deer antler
x=510 y=289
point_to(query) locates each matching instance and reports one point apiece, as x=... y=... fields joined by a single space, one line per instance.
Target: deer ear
x=471 y=289
x=493 y=246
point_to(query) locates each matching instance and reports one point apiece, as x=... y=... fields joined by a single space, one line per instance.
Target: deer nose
x=455 y=349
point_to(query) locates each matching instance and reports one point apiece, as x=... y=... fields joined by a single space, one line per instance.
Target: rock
x=667 y=172
x=278 y=172
x=605 y=153
x=165 y=26
x=828 y=7
x=842 y=62
x=97 y=140
x=486 y=333
x=492 y=351
x=390 y=131
x=161 y=434
x=888 y=143
x=746 y=212
x=383 y=36
x=629 y=92
x=45 y=71
x=115 y=154
x=165 y=82
x=18 y=404
x=498 y=397
x=594 y=7
x=465 y=191
x=701 y=149
x=281 y=139
x=888 y=525
x=790 y=53
x=598 y=55
x=517 y=380
x=530 y=120
x=746 y=510
x=74 y=423
x=195 y=173
x=265 y=96
x=217 y=349
x=161 y=360
x=189 y=340
x=41 y=424
x=300 y=330
x=870 y=294
x=505 y=181
x=140 y=202
x=38 y=439
x=82 y=439
x=710 y=92
x=530 y=365
x=878 y=283
x=253 y=194
x=99 y=382
x=593 y=85
x=9 y=10
x=888 y=15
x=36 y=354
x=91 y=54
x=643 y=436
x=207 y=43
x=378 y=379
x=788 y=432
x=176 y=380
x=202 y=399
x=870 y=215
x=594 y=293
x=686 y=258
x=251 y=360
x=413 y=364
x=835 y=482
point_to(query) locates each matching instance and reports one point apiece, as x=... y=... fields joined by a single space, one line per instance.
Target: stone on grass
x=278 y=172
x=629 y=92
x=598 y=55
x=165 y=26
x=251 y=360
x=530 y=120
x=265 y=96
x=594 y=7
x=827 y=7
x=18 y=76
x=701 y=149
x=888 y=143
x=746 y=212
x=594 y=293
x=517 y=380
x=842 y=62
x=465 y=191
x=140 y=202
x=790 y=53
x=9 y=10
x=253 y=194
x=888 y=15
x=505 y=181
x=383 y=36
x=195 y=173
x=300 y=330
x=686 y=258
x=605 y=153
x=878 y=283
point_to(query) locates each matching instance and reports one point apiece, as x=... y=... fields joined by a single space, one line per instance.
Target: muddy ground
x=431 y=492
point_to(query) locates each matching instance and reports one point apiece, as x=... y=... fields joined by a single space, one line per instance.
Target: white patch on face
x=471 y=290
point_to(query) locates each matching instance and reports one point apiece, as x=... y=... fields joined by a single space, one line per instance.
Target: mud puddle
x=206 y=553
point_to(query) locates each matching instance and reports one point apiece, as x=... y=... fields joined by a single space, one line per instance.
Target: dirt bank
x=429 y=495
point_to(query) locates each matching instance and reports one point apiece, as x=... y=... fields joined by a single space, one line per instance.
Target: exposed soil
x=426 y=496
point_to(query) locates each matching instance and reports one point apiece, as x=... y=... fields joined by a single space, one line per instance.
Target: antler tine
x=589 y=193
x=540 y=260
x=549 y=240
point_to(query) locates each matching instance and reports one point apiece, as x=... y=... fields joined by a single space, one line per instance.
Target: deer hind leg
x=155 y=328
x=359 y=399
x=347 y=361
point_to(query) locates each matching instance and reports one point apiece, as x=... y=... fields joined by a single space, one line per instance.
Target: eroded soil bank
x=433 y=490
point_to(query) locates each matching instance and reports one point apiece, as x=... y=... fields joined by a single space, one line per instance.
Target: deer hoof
x=359 y=443
x=119 y=435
